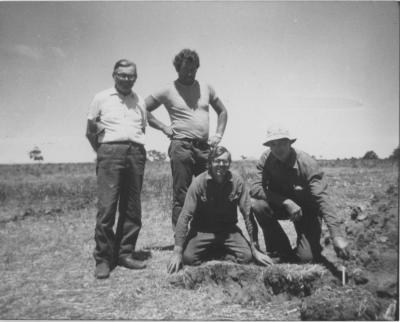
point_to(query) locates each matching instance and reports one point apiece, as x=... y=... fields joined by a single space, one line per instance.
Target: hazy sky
x=328 y=70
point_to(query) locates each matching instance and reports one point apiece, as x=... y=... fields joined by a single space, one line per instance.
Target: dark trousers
x=120 y=169
x=308 y=230
x=201 y=247
x=188 y=159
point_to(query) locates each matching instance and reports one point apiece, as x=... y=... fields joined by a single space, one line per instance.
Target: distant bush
x=395 y=154
x=370 y=155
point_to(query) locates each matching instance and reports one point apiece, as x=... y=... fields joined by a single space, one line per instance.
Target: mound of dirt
x=245 y=284
x=340 y=304
x=371 y=290
x=372 y=230
x=297 y=280
x=228 y=282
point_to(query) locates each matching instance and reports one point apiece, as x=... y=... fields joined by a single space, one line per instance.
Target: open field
x=47 y=216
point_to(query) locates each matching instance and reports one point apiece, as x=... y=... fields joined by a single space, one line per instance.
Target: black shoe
x=131 y=263
x=102 y=270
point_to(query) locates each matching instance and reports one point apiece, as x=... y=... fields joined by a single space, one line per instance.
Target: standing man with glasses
x=187 y=101
x=115 y=129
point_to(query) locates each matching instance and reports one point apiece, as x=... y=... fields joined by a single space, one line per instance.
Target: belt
x=123 y=142
x=195 y=142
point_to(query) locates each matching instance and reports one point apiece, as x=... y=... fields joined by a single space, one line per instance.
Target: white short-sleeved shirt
x=188 y=108
x=122 y=117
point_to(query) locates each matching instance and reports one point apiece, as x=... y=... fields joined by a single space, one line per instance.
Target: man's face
x=280 y=148
x=187 y=72
x=124 y=78
x=219 y=167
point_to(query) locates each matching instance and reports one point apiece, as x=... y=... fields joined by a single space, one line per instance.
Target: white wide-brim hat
x=277 y=132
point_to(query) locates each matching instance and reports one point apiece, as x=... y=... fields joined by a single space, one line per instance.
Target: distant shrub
x=370 y=155
x=395 y=154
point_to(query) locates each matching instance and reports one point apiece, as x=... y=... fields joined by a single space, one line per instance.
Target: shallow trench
x=320 y=294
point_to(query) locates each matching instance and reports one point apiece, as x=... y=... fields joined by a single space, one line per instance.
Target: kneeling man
x=290 y=185
x=211 y=207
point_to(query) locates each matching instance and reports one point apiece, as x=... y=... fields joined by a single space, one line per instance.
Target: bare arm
x=92 y=133
x=151 y=105
x=222 y=113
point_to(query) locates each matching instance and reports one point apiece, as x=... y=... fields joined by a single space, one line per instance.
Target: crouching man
x=211 y=208
x=290 y=185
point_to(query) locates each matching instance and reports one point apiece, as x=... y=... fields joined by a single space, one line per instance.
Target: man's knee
x=308 y=255
x=188 y=258
x=261 y=207
x=245 y=257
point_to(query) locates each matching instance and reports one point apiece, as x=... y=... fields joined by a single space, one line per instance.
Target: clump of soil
x=246 y=284
x=297 y=280
x=229 y=282
x=343 y=304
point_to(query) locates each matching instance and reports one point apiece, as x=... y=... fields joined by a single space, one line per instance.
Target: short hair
x=186 y=54
x=123 y=63
x=216 y=152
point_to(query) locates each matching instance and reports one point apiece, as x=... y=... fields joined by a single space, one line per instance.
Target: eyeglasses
x=222 y=162
x=126 y=76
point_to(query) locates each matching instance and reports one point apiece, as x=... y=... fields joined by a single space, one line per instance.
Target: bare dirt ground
x=46 y=233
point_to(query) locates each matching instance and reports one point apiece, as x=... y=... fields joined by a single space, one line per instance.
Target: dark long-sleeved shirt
x=299 y=179
x=212 y=207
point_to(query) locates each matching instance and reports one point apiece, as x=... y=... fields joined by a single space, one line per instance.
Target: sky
x=328 y=71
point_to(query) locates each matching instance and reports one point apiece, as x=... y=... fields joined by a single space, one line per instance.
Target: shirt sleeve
x=159 y=95
x=320 y=197
x=94 y=109
x=245 y=208
x=187 y=213
x=257 y=189
x=143 y=111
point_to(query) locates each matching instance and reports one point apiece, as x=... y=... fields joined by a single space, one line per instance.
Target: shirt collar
x=115 y=92
x=229 y=176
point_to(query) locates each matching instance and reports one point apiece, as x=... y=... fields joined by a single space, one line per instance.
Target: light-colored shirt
x=299 y=179
x=188 y=108
x=122 y=117
x=212 y=207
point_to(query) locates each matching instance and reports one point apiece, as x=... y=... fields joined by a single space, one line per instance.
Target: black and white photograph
x=199 y=160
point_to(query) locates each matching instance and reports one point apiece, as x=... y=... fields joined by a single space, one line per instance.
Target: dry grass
x=46 y=235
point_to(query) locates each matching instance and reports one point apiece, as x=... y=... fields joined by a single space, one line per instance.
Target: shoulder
x=164 y=90
x=209 y=87
x=199 y=181
x=103 y=95
x=236 y=178
x=139 y=98
x=264 y=156
x=304 y=157
x=307 y=162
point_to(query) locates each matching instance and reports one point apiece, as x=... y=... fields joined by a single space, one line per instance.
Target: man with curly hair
x=187 y=101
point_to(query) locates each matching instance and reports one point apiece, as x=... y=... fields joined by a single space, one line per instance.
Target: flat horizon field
x=47 y=218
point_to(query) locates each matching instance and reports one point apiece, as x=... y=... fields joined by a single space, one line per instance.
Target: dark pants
x=201 y=247
x=120 y=169
x=308 y=230
x=187 y=159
